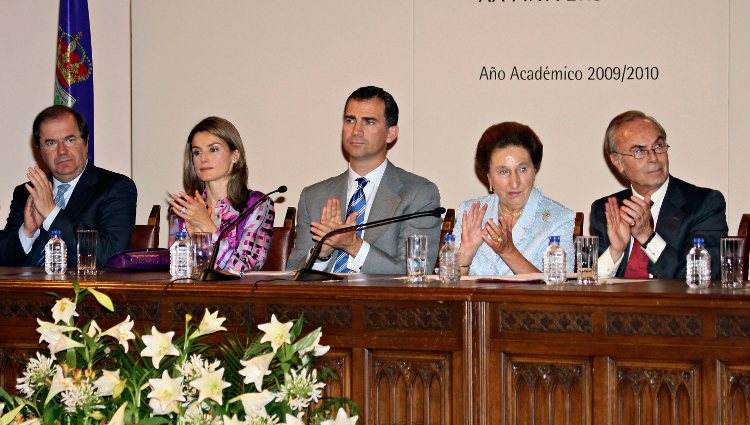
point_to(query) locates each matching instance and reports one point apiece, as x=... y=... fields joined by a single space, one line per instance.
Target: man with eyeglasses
x=647 y=230
x=77 y=195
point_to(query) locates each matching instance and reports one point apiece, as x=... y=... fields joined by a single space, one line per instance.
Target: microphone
x=209 y=273
x=307 y=273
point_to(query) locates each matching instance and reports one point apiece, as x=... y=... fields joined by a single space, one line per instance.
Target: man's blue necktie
x=356 y=204
x=60 y=197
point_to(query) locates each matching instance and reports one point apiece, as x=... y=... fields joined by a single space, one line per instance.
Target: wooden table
x=470 y=353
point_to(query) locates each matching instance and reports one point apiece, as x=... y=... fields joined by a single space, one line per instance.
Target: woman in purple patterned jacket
x=215 y=182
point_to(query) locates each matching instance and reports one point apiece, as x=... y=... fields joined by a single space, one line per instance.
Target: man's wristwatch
x=319 y=258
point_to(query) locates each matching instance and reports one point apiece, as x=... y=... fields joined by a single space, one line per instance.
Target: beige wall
x=281 y=71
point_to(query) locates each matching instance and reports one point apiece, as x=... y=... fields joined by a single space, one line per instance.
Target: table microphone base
x=314 y=275
x=212 y=275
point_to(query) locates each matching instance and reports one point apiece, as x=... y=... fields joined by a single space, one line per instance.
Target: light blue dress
x=541 y=218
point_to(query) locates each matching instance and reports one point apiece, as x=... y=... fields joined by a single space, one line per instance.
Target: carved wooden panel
x=733 y=327
x=735 y=405
x=327 y=316
x=408 y=388
x=644 y=324
x=547 y=391
x=340 y=363
x=12 y=365
x=545 y=321
x=424 y=317
x=656 y=393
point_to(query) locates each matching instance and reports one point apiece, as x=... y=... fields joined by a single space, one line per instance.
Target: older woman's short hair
x=503 y=135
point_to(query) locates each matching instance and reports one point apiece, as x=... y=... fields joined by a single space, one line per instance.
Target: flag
x=74 y=72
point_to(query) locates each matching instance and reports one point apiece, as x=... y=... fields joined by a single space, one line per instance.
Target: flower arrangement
x=94 y=376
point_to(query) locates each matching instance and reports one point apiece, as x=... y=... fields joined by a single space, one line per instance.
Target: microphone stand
x=309 y=274
x=209 y=274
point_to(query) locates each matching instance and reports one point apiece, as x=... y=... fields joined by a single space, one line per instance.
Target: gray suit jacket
x=400 y=192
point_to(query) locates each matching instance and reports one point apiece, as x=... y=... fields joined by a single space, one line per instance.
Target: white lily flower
x=107 y=383
x=119 y=417
x=255 y=369
x=2 y=408
x=158 y=345
x=276 y=333
x=63 y=343
x=166 y=394
x=210 y=385
x=63 y=310
x=210 y=323
x=122 y=332
x=255 y=403
x=59 y=384
x=50 y=332
x=94 y=329
x=342 y=418
x=291 y=420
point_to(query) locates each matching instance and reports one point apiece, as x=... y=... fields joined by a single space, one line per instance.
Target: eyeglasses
x=641 y=153
x=50 y=145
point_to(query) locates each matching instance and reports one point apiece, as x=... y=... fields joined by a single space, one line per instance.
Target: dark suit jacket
x=399 y=192
x=688 y=211
x=102 y=200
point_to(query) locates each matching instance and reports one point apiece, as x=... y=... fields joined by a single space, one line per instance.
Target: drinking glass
x=86 y=248
x=731 y=260
x=416 y=258
x=203 y=247
x=587 y=257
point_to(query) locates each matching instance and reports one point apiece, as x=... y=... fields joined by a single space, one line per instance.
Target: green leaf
x=294 y=333
x=76 y=286
x=8 y=417
x=103 y=299
x=306 y=341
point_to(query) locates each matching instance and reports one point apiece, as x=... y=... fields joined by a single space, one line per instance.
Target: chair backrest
x=742 y=232
x=449 y=220
x=281 y=243
x=147 y=235
x=578 y=228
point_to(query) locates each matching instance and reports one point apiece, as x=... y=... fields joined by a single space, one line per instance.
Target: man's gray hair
x=610 y=145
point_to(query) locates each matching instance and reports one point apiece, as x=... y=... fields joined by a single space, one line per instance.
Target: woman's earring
x=491 y=191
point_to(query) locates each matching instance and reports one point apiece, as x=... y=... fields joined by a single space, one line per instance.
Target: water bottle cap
x=181 y=235
x=450 y=237
x=698 y=241
x=554 y=239
x=55 y=233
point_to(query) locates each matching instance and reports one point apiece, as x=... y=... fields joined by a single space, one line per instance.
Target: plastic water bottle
x=554 y=262
x=698 y=265
x=450 y=271
x=180 y=257
x=55 y=255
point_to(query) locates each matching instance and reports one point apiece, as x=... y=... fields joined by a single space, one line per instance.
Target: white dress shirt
x=374 y=177
x=27 y=242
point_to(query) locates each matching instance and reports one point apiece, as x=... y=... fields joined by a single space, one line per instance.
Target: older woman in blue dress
x=508 y=231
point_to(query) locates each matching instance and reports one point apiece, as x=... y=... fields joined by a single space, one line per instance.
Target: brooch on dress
x=545 y=215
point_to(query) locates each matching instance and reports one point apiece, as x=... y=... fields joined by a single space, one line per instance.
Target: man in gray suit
x=371 y=189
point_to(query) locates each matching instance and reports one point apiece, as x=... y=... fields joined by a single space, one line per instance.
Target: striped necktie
x=356 y=204
x=60 y=197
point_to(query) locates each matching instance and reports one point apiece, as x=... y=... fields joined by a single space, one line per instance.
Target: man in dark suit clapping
x=78 y=195
x=647 y=230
